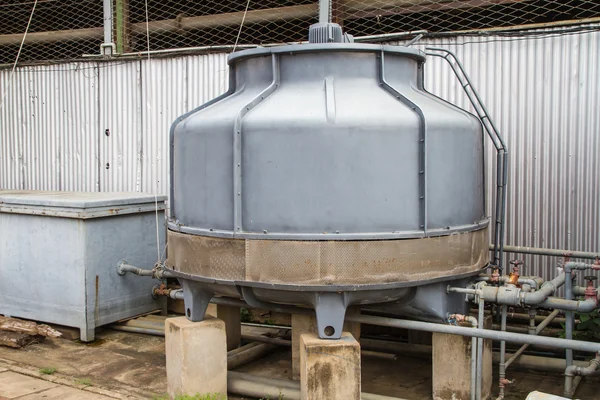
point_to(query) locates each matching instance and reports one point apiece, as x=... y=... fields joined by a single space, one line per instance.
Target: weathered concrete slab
x=64 y=393
x=14 y=385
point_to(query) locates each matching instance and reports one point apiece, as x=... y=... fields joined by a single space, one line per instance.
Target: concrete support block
x=452 y=367
x=308 y=324
x=233 y=324
x=300 y=324
x=329 y=369
x=196 y=357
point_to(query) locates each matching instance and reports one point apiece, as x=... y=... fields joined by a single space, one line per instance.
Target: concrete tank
x=326 y=176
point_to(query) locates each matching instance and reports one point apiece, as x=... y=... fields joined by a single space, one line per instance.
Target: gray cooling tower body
x=326 y=176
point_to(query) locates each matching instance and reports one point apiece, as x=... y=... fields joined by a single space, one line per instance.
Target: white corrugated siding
x=543 y=93
x=48 y=128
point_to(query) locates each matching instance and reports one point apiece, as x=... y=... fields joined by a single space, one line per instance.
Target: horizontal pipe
x=549 y=252
x=524 y=317
x=546 y=364
x=170 y=25
x=253 y=353
x=553 y=332
x=260 y=387
x=134 y=329
x=525 y=361
x=581 y=306
x=475 y=332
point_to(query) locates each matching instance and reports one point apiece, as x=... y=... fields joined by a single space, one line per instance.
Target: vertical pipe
x=473 y=367
x=502 y=354
x=108 y=21
x=568 y=314
x=480 y=319
x=324 y=10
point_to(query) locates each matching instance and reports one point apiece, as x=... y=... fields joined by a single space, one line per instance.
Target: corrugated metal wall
x=543 y=91
x=544 y=95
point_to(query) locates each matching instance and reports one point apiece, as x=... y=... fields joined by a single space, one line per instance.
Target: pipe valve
x=513 y=277
x=591 y=292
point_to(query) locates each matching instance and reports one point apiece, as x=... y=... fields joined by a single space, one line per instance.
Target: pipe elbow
x=572 y=370
x=587 y=306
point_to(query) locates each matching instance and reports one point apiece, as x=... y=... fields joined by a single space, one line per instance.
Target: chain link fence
x=73 y=29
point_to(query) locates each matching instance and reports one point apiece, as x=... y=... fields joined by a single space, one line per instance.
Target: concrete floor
x=130 y=365
x=14 y=385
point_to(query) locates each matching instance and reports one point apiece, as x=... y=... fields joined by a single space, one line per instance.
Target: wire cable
x=151 y=130
x=241 y=26
x=14 y=67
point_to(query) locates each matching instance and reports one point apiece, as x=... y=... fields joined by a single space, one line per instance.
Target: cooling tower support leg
x=451 y=367
x=330 y=309
x=196 y=298
x=196 y=357
x=329 y=369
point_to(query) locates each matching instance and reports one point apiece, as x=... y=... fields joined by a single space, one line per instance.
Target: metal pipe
x=502 y=363
x=546 y=364
x=475 y=332
x=124 y=268
x=324 y=11
x=480 y=318
x=549 y=252
x=582 y=306
x=547 y=290
x=260 y=387
x=133 y=329
x=108 y=23
x=249 y=355
x=158 y=272
x=524 y=317
x=532 y=281
x=568 y=314
x=573 y=370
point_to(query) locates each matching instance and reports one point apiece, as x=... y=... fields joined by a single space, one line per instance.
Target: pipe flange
x=120 y=270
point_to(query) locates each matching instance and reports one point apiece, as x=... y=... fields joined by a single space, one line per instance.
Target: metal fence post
x=108 y=47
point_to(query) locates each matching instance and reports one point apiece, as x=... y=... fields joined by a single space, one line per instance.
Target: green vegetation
x=246 y=315
x=588 y=328
x=83 y=381
x=47 y=371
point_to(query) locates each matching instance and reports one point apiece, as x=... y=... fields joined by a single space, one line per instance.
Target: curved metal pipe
x=573 y=370
x=547 y=290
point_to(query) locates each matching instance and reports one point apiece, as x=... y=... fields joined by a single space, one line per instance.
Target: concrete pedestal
x=308 y=324
x=233 y=324
x=329 y=369
x=452 y=367
x=196 y=357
